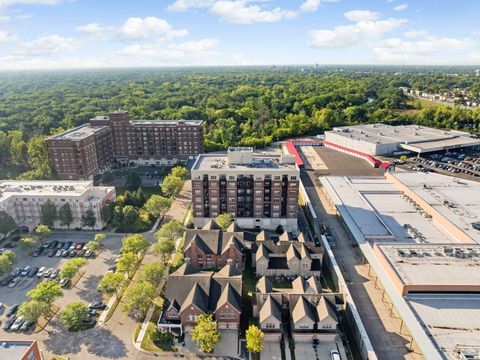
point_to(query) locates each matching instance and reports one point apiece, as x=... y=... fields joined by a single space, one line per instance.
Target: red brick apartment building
x=86 y=150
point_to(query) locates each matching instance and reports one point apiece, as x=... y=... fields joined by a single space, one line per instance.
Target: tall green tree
x=180 y=172
x=157 y=206
x=205 y=333
x=138 y=298
x=111 y=283
x=28 y=243
x=171 y=186
x=170 y=230
x=89 y=219
x=48 y=213
x=31 y=310
x=71 y=268
x=106 y=212
x=7 y=223
x=153 y=273
x=164 y=248
x=46 y=291
x=7 y=259
x=127 y=264
x=224 y=220
x=254 y=338
x=74 y=315
x=65 y=215
x=134 y=181
x=134 y=243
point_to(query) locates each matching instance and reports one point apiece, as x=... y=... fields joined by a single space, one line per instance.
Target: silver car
x=17 y=324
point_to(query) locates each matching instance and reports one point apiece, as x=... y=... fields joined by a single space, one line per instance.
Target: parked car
x=48 y=272
x=27 y=325
x=335 y=355
x=97 y=305
x=14 y=282
x=81 y=253
x=79 y=246
x=17 y=272
x=12 y=310
x=73 y=253
x=41 y=271
x=67 y=245
x=9 y=322
x=60 y=245
x=33 y=271
x=6 y=280
x=10 y=245
x=26 y=270
x=92 y=312
x=58 y=253
x=72 y=246
x=65 y=253
x=54 y=274
x=88 y=253
x=51 y=253
x=18 y=323
x=64 y=282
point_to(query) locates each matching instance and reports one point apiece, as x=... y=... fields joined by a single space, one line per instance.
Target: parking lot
x=86 y=288
x=309 y=351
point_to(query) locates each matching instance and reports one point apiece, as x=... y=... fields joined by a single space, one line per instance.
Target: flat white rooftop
x=79 y=133
x=452 y=321
x=260 y=163
x=457 y=200
x=435 y=265
x=49 y=188
x=381 y=212
x=387 y=134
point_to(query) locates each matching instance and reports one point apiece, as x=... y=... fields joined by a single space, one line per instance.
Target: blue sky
x=105 y=33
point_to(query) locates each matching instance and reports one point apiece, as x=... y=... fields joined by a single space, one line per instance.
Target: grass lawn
x=282 y=285
x=149 y=345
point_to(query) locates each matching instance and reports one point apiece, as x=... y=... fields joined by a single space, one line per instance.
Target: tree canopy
x=205 y=333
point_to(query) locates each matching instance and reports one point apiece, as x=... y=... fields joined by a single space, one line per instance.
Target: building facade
x=23 y=200
x=86 y=150
x=212 y=248
x=19 y=350
x=258 y=190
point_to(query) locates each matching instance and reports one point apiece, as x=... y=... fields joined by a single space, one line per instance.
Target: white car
x=25 y=270
x=41 y=271
x=17 y=324
x=58 y=253
x=48 y=272
x=14 y=282
x=335 y=355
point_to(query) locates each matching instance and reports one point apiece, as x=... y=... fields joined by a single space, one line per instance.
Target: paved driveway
x=271 y=351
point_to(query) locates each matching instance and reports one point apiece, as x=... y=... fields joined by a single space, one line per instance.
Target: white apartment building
x=23 y=200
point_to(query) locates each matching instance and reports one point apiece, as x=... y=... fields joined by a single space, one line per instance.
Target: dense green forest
x=240 y=106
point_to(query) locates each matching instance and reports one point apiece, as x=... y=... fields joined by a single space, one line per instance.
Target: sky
x=55 y=34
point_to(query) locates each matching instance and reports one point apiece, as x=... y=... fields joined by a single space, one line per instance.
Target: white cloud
x=96 y=31
x=136 y=28
x=361 y=15
x=183 y=5
x=245 y=11
x=415 y=33
x=421 y=50
x=46 y=45
x=366 y=30
x=6 y=37
x=133 y=29
x=401 y=7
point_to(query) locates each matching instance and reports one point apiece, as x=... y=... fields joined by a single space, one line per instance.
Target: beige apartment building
x=23 y=200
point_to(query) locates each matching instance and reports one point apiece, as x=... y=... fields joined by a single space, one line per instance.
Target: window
x=270 y=326
x=304 y=327
x=293 y=178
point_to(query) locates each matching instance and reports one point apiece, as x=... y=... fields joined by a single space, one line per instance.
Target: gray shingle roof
x=229 y=296
x=303 y=308
x=197 y=297
x=270 y=308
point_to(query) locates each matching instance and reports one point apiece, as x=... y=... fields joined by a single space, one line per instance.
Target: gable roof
x=314 y=286
x=231 y=239
x=284 y=237
x=213 y=241
x=292 y=253
x=264 y=285
x=211 y=225
x=301 y=238
x=262 y=252
x=270 y=308
x=233 y=227
x=325 y=310
x=197 y=297
x=229 y=296
x=304 y=252
x=185 y=269
x=261 y=236
x=303 y=308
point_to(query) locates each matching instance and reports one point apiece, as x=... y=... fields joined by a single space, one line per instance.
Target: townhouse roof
x=306 y=286
x=303 y=308
x=233 y=227
x=270 y=308
x=197 y=297
x=261 y=236
x=292 y=253
x=229 y=296
x=213 y=241
x=325 y=310
x=211 y=225
x=264 y=285
x=284 y=237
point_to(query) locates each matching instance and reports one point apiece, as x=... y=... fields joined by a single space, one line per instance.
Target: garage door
x=232 y=326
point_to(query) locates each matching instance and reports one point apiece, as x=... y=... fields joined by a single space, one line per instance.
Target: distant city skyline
x=55 y=34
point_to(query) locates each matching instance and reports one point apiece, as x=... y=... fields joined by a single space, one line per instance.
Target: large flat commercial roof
x=452 y=321
x=165 y=122
x=439 y=145
x=434 y=267
x=387 y=134
x=381 y=211
x=456 y=200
